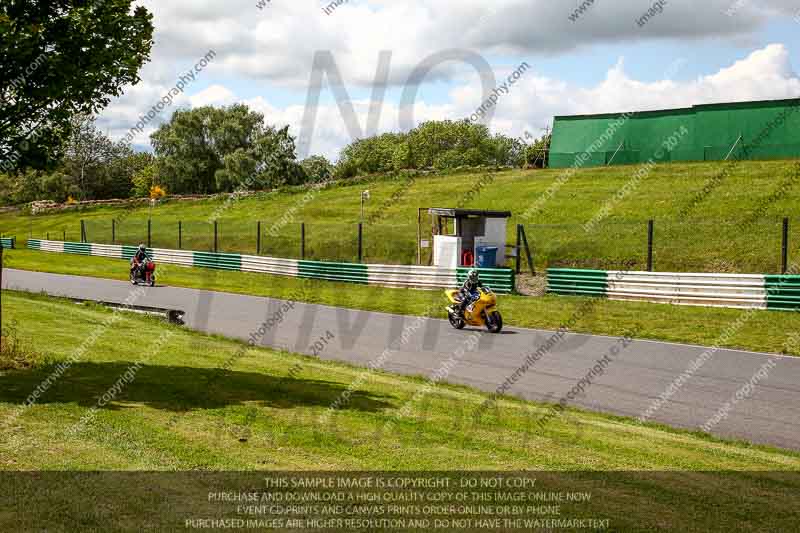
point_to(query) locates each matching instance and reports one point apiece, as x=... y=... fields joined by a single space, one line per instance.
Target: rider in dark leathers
x=469 y=290
x=138 y=261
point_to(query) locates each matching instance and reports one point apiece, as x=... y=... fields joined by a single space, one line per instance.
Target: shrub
x=13 y=353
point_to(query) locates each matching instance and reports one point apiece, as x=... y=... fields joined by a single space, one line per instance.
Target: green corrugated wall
x=713 y=130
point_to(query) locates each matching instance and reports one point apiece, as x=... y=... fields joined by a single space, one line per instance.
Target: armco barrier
x=744 y=291
x=501 y=280
x=8 y=242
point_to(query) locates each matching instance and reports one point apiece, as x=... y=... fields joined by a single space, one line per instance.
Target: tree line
x=62 y=61
x=209 y=150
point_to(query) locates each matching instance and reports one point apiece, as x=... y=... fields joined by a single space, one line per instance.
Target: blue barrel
x=487 y=257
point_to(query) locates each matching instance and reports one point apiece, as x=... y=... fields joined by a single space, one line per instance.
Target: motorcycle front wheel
x=494 y=322
x=456 y=321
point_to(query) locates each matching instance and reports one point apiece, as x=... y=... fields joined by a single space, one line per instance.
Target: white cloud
x=277 y=43
x=273 y=48
x=214 y=95
x=764 y=74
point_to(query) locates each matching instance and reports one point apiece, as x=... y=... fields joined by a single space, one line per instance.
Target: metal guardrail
x=502 y=280
x=8 y=243
x=744 y=291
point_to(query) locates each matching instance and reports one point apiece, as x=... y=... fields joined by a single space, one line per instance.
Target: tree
x=86 y=150
x=118 y=175
x=144 y=180
x=317 y=169
x=537 y=155
x=440 y=145
x=59 y=58
x=207 y=149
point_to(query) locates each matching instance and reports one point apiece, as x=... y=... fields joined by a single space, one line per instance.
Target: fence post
x=302 y=240
x=527 y=250
x=785 y=247
x=215 y=236
x=83 y=231
x=360 y=242
x=650 y=230
x=64 y=239
x=180 y=235
x=519 y=248
x=1 y=294
x=149 y=232
x=48 y=235
x=113 y=231
x=258 y=239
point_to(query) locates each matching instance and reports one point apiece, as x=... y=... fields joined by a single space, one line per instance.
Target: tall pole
x=302 y=240
x=650 y=231
x=360 y=241
x=1 y=291
x=785 y=247
x=258 y=239
x=215 y=236
x=149 y=232
x=419 y=235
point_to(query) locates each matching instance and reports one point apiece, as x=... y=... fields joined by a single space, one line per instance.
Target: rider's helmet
x=472 y=276
x=142 y=248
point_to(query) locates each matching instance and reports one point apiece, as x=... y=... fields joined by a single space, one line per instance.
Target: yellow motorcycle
x=480 y=313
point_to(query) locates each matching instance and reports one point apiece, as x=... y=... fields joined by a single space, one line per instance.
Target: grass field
x=195 y=402
x=735 y=228
x=766 y=331
x=185 y=408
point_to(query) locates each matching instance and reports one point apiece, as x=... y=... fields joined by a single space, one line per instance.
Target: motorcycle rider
x=138 y=261
x=469 y=290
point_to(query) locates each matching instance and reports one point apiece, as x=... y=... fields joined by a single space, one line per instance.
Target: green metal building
x=748 y=130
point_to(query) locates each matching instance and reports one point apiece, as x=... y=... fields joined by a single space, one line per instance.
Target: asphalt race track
x=634 y=378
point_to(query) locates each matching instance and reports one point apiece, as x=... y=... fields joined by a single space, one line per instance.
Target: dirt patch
x=529 y=285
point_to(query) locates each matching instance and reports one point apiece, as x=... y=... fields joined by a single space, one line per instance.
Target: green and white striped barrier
x=501 y=280
x=744 y=291
x=8 y=242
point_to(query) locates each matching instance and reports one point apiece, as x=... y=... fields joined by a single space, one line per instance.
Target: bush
x=13 y=354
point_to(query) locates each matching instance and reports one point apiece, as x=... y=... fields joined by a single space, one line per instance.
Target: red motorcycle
x=143 y=272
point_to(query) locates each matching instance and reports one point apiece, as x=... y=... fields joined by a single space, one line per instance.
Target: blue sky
x=688 y=53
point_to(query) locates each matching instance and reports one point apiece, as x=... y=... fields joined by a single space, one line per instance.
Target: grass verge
x=174 y=403
x=181 y=410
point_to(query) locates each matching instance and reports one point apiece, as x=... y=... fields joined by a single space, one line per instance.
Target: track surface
x=632 y=381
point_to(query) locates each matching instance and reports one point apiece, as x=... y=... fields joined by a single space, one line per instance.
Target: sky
x=446 y=59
